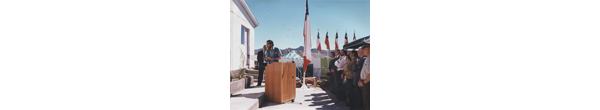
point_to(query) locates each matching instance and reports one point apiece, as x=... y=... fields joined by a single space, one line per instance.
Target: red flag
x=346 y=37
x=327 y=40
x=306 y=62
x=318 y=42
x=307 y=41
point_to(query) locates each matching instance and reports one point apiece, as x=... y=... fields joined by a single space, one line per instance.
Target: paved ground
x=311 y=98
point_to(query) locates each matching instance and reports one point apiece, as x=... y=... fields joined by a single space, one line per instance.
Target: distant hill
x=298 y=50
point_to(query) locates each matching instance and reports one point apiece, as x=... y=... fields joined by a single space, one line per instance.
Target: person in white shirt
x=340 y=63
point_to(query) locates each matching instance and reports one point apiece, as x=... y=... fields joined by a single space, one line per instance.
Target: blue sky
x=283 y=21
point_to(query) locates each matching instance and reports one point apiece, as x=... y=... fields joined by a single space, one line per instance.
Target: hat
x=365 y=45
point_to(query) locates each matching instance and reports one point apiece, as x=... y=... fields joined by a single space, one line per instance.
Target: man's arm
x=366 y=68
x=332 y=66
x=338 y=63
x=265 y=56
x=259 y=58
x=278 y=54
x=277 y=58
x=360 y=84
x=368 y=79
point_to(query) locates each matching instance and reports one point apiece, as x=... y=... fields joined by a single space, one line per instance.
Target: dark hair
x=349 y=59
x=345 y=52
x=355 y=53
x=271 y=42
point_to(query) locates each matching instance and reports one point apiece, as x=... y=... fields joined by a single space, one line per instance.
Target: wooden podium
x=280 y=82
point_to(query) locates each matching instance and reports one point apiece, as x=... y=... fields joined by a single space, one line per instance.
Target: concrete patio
x=310 y=98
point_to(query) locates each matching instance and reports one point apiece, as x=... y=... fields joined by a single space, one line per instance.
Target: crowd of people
x=348 y=73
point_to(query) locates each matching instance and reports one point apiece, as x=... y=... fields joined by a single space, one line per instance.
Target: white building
x=242 y=24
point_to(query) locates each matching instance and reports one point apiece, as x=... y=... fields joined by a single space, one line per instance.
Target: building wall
x=239 y=18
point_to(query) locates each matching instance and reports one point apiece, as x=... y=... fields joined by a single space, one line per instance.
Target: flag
x=336 y=45
x=346 y=37
x=327 y=40
x=354 y=36
x=307 y=41
x=318 y=42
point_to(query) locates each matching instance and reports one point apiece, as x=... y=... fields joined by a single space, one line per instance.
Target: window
x=244 y=34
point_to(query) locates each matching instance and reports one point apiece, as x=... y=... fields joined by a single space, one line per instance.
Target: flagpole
x=318 y=51
x=305 y=46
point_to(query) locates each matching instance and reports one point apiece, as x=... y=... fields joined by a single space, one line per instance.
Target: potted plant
x=242 y=73
x=230 y=78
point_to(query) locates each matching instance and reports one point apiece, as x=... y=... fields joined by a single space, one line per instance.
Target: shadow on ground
x=326 y=101
x=249 y=95
x=268 y=103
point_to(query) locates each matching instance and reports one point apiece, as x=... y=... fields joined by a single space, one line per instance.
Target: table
x=314 y=81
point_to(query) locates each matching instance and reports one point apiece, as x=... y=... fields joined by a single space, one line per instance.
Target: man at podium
x=272 y=54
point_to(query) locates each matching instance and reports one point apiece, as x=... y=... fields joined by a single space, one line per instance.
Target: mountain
x=299 y=50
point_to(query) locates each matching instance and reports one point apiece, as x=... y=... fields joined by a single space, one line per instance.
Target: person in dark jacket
x=365 y=79
x=329 y=73
x=333 y=70
x=261 y=64
x=356 y=73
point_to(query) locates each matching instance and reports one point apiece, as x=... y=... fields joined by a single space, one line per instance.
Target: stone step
x=238 y=103
x=251 y=71
x=248 y=99
x=237 y=86
x=240 y=85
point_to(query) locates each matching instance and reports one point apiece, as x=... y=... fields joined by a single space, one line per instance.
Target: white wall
x=239 y=18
